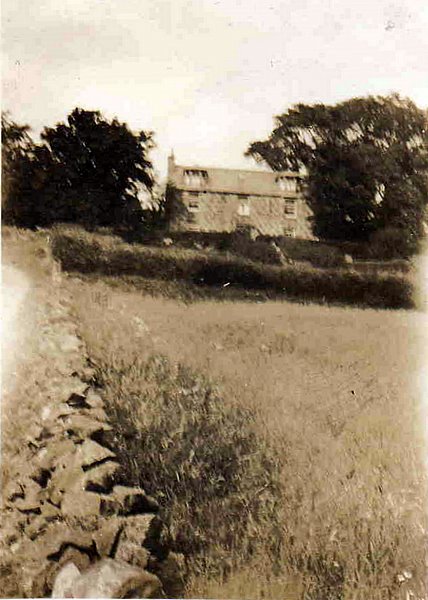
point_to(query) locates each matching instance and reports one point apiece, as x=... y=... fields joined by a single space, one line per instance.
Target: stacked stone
x=76 y=514
x=78 y=533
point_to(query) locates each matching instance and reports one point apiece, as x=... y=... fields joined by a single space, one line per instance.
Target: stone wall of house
x=211 y=211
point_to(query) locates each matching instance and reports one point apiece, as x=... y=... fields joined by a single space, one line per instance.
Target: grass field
x=332 y=390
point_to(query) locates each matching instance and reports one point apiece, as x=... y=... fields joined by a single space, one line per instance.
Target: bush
x=258 y=250
x=392 y=243
x=85 y=252
x=216 y=478
x=316 y=253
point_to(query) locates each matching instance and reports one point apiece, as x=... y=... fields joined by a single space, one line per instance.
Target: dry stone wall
x=68 y=528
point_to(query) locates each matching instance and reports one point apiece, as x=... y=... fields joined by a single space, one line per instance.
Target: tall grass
x=213 y=472
x=327 y=394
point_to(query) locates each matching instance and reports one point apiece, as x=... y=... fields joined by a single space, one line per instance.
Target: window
x=195 y=177
x=287 y=184
x=244 y=209
x=290 y=231
x=290 y=208
x=193 y=207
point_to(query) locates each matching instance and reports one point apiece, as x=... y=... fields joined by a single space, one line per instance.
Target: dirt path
x=15 y=321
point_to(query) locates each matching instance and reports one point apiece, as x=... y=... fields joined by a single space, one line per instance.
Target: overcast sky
x=206 y=76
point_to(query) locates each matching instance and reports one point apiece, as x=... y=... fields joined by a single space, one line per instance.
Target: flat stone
x=128 y=501
x=99 y=414
x=89 y=453
x=110 y=578
x=13 y=491
x=68 y=388
x=56 y=453
x=49 y=512
x=83 y=426
x=80 y=559
x=101 y=477
x=61 y=410
x=70 y=343
x=29 y=504
x=36 y=527
x=142 y=530
x=9 y=532
x=132 y=553
x=93 y=399
x=64 y=369
x=46 y=412
x=58 y=535
x=79 y=503
x=69 y=556
x=64 y=581
x=106 y=535
x=67 y=476
x=39 y=433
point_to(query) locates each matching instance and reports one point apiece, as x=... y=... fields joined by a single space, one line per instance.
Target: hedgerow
x=80 y=251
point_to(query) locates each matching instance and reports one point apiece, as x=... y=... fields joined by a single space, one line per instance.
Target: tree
x=366 y=164
x=17 y=145
x=88 y=170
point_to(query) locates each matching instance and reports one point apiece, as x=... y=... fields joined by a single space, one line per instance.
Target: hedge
x=80 y=251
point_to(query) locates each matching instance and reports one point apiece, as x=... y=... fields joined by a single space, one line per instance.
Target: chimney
x=171 y=165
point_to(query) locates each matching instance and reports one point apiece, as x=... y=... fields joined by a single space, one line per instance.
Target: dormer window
x=290 y=208
x=195 y=177
x=287 y=184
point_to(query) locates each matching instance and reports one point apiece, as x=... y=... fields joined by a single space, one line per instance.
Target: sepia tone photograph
x=214 y=341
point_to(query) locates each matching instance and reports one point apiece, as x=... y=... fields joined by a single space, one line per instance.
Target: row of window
x=288 y=230
x=199 y=178
x=244 y=209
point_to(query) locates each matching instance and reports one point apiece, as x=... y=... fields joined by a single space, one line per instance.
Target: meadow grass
x=329 y=394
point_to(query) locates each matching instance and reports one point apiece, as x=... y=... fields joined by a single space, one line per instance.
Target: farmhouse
x=214 y=200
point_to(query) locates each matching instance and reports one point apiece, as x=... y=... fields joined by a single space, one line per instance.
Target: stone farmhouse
x=217 y=200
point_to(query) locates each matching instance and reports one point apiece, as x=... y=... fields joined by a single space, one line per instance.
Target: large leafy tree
x=88 y=170
x=366 y=164
x=17 y=146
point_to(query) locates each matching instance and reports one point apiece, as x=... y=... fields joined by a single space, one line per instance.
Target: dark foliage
x=88 y=171
x=88 y=253
x=366 y=161
x=17 y=147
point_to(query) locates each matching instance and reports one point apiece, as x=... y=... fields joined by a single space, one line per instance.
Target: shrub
x=256 y=250
x=318 y=254
x=216 y=478
x=391 y=243
x=84 y=252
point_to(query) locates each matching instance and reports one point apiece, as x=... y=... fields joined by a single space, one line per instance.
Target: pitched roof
x=235 y=181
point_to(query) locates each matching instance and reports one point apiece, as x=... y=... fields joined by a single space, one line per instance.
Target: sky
x=207 y=76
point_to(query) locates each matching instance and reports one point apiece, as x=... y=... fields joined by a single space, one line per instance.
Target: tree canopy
x=88 y=170
x=16 y=144
x=365 y=160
